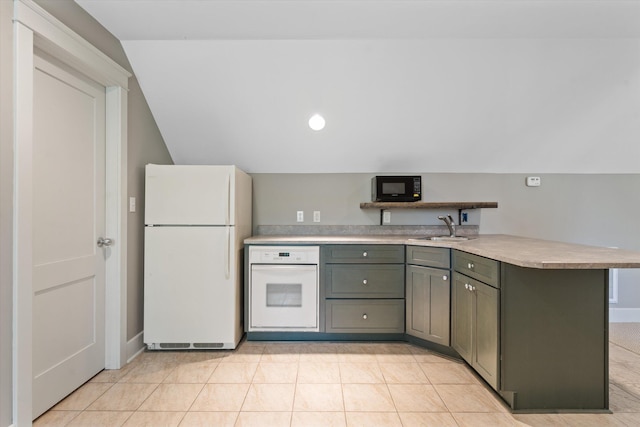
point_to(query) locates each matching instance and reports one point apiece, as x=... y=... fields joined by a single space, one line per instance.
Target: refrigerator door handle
x=227 y=255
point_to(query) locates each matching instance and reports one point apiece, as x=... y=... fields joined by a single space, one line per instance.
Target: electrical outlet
x=386 y=217
x=300 y=216
x=132 y=204
x=316 y=216
x=533 y=181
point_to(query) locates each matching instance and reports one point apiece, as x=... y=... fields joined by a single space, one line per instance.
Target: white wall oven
x=283 y=288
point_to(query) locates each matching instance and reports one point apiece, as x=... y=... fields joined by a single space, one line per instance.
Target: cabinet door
x=428 y=304
x=462 y=311
x=486 y=357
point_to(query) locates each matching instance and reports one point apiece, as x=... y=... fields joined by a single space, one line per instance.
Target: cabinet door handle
x=364 y=316
x=466 y=286
x=364 y=254
x=364 y=282
x=444 y=277
x=470 y=266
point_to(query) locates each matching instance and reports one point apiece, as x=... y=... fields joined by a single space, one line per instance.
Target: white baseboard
x=624 y=315
x=135 y=346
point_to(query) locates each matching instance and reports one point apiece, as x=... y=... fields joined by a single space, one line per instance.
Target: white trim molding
x=34 y=27
x=624 y=315
x=135 y=347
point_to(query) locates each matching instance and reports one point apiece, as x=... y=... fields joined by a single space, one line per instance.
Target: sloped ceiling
x=405 y=86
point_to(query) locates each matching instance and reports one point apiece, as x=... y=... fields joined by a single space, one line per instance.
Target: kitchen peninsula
x=529 y=316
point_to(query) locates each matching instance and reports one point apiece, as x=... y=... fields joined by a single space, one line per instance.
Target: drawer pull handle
x=364 y=282
x=471 y=266
x=444 y=277
x=364 y=254
x=364 y=316
x=466 y=286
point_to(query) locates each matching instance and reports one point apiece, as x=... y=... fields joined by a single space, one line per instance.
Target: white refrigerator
x=196 y=219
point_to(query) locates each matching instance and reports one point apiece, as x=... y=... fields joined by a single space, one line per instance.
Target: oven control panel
x=284 y=255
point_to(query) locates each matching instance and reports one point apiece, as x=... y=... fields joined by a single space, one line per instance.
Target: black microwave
x=396 y=188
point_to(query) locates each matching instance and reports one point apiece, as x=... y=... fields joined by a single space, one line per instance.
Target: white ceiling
x=405 y=86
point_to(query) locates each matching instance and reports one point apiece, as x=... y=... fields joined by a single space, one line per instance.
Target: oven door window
x=284 y=297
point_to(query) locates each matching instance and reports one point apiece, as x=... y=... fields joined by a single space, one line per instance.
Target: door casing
x=36 y=28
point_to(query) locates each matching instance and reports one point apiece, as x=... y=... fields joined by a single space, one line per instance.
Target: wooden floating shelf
x=460 y=206
x=427 y=205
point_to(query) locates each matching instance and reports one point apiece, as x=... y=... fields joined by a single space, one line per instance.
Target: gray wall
x=145 y=145
x=6 y=208
x=579 y=208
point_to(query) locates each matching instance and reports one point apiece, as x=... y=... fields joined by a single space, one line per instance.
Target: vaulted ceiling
x=404 y=86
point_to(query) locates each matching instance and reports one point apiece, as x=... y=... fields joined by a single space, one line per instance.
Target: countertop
x=520 y=251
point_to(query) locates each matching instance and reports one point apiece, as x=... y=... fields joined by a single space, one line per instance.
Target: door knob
x=104 y=241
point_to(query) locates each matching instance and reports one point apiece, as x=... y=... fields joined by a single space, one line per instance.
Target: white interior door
x=68 y=218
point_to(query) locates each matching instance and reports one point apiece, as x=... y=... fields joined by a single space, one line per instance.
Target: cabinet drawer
x=353 y=316
x=379 y=254
x=429 y=257
x=477 y=267
x=364 y=281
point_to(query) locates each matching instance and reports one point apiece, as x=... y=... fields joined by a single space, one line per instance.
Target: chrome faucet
x=451 y=225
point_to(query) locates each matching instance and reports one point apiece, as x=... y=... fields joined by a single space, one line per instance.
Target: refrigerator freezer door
x=187 y=297
x=190 y=195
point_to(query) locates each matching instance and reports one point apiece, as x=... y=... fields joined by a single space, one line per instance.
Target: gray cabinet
x=428 y=294
x=363 y=288
x=475 y=318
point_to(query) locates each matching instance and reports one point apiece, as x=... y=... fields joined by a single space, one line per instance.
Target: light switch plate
x=533 y=181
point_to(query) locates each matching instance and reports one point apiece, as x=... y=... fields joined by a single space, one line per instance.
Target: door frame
x=34 y=27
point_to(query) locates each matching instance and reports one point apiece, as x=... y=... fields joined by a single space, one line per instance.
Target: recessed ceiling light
x=316 y=122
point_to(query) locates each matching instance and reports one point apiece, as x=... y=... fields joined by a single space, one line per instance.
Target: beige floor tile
x=276 y=372
x=282 y=352
x=367 y=397
x=112 y=375
x=618 y=354
x=318 y=419
x=468 y=398
x=264 y=419
x=234 y=373
x=318 y=372
x=247 y=354
x=269 y=397
x=153 y=372
x=209 y=419
x=83 y=397
x=319 y=352
x=622 y=398
x=539 y=420
x=624 y=373
x=360 y=373
x=220 y=397
x=55 y=418
x=403 y=373
x=628 y=419
x=485 y=420
x=431 y=419
x=192 y=373
x=150 y=419
x=377 y=419
x=100 y=419
x=416 y=398
x=450 y=373
x=318 y=397
x=172 y=397
x=356 y=353
x=593 y=420
x=123 y=397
